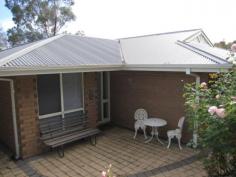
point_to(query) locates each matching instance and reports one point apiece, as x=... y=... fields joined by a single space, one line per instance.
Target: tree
x=37 y=19
x=224 y=45
x=80 y=33
x=3 y=39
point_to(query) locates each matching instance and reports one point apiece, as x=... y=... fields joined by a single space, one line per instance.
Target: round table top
x=154 y=122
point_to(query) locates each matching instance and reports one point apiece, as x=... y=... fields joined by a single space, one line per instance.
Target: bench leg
x=60 y=151
x=93 y=140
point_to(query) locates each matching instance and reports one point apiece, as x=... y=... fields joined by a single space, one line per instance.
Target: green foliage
x=224 y=45
x=37 y=19
x=217 y=135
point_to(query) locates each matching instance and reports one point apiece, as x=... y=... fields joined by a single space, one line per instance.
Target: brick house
x=109 y=79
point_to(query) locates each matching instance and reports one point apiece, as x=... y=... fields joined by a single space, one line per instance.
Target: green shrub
x=211 y=112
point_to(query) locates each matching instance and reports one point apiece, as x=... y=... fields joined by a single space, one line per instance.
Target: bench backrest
x=57 y=126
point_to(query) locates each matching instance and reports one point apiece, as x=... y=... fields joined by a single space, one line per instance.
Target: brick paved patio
x=129 y=158
x=9 y=168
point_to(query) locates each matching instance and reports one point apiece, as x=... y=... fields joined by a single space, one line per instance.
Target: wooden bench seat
x=70 y=137
x=56 y=131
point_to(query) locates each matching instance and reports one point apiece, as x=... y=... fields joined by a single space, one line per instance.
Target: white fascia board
x=179 y=68
x=28 y=49
x=50 y=70
x=129 y=67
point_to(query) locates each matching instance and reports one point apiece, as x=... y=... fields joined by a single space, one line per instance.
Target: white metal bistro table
x=155 y=123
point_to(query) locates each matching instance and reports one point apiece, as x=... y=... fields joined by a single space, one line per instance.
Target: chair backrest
x=140 y=114
x=181 y=123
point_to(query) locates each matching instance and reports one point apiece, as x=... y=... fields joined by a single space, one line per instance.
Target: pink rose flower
x=104 y=174
x=220 y=112
x=217 y=97
x=233 y=98
x=212 y=110
x=203 y=85
x=233 y=48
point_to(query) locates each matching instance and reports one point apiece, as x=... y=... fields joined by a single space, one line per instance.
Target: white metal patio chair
x=176 y=133
x=140 y=115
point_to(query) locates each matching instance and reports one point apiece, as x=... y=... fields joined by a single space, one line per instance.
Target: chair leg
x=169 y=142
x=144 y=132
x=93 y=140
x=179 y=142
x=135 y=134
x=60 y=151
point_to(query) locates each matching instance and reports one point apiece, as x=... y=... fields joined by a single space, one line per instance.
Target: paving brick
x=115 y=146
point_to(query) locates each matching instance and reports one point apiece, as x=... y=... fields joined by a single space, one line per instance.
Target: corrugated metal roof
x=71 y=50
x=7 y=52
x=67 y=53
x=222 y=54
x=167 y=49
x=184 y=34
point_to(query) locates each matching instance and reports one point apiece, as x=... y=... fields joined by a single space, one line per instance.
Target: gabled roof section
x=219 y=56
x=199 y=37
x=64 y=51
x=172 y=49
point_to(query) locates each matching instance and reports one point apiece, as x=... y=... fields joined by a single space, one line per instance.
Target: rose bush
x=108 y=172
x=211 y=112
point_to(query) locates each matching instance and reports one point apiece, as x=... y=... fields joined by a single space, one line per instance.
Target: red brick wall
x=91 y=96
x=27 y=115
x=160 y=93
x=6 y=121
x=27 y=110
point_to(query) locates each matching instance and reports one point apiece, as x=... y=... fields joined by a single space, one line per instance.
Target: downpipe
x=15 y=128
x=195 y=123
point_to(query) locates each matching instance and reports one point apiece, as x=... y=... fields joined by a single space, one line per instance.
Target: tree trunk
x=55 y=21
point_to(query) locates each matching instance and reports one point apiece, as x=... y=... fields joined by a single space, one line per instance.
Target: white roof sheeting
x=163 y=49
x=213 y=51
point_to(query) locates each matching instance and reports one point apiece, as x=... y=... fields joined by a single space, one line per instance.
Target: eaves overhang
x=180 y=67
x=12 y=71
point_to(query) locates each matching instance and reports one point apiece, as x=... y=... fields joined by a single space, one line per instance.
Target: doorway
x=104 y=97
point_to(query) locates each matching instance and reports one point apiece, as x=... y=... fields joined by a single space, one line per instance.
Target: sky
x=5 y=16
x=114 y=19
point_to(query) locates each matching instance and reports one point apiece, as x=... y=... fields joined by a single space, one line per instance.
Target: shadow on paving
x=166 y=168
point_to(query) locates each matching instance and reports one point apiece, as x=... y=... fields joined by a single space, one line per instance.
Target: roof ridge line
x=163 y=33
x=26 y=50
x=189 y=48
x=219 y=58
x=121 y=53
x=93 y=37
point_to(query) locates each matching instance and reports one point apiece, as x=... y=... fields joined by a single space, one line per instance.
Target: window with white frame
x=60 y=94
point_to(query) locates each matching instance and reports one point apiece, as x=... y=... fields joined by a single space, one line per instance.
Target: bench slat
x=46 y=123
x=62 y=132
x=57 y=131
x=51 y=131
x=71 y=137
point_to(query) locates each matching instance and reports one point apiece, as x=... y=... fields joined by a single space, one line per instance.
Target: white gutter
x=17 y=145
x=56 y=70
x=195 y=123
x=15 y=71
